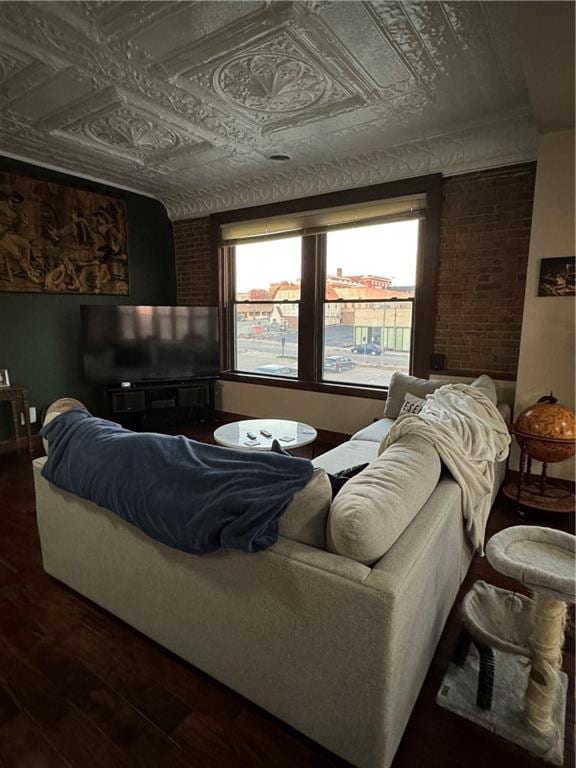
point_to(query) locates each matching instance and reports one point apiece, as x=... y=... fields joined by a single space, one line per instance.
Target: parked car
x=368 y=348
x=337 y=363
x=276 y=370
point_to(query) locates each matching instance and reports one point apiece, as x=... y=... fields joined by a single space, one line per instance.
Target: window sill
x=349 y=390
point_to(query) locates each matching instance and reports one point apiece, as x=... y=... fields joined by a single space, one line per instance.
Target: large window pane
x=269 y=271
x=367 y=338
x=375 y=262
x=266 y=330
x=365 y=342
x=266 y=339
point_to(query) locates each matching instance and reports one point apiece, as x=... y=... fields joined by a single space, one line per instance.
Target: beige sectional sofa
x=335 y=647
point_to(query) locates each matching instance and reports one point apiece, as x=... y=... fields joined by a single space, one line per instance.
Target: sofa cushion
x=374 y=508
x=304 y=519
x=486 y=385
x=376 y=431
x=400 y=384
x=347 y=455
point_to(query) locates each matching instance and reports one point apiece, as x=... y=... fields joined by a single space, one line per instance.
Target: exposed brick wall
x=484 y=241
x=196 y=267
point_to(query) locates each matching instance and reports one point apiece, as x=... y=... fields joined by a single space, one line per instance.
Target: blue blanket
x=188 y=495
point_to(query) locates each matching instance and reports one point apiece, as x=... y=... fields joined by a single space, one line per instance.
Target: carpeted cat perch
x=521 y=690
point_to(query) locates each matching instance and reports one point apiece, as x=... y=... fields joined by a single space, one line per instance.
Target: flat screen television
x=142 y=343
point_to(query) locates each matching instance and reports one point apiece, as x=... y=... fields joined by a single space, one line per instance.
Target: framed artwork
x=557 y=277
x=57 y=239
x=4 y=377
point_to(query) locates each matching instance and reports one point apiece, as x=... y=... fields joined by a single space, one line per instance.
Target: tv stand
x=161 y=403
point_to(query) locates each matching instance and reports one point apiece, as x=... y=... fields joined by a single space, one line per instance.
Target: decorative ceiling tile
x=9 y=65
x=187 y=100
x=372 y=50
x=128 y=132
x=19 y=73
x=123 y=128
x=191 y=25
x=276 y=72
x=121 y=17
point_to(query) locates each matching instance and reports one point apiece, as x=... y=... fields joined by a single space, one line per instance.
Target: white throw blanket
x=469 y=434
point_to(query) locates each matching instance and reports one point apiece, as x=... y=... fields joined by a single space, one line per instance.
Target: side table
x=18 y=399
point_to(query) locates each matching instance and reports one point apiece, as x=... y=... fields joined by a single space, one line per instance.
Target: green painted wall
x=40 y=334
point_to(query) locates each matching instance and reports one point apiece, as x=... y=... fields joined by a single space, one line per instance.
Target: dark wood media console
x=166 y=403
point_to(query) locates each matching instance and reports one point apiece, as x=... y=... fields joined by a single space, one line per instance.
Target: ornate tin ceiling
x=186 y=101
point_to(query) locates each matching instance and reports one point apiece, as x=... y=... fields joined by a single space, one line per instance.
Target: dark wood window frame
x=312 y=290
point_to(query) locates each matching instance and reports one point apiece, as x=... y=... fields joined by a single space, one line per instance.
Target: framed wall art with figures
x=58 y=239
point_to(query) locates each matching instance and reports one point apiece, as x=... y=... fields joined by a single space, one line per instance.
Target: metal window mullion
x=308 y=325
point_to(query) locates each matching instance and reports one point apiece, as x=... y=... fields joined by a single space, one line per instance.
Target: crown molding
x=505 y=142
x=69 y=172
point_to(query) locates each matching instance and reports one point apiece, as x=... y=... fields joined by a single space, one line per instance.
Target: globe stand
x=537 y=492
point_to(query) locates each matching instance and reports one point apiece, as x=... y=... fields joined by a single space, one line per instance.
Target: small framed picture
x=557 y=277
x=4 y=377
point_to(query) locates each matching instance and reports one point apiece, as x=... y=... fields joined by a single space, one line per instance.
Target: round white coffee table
x=290 y=434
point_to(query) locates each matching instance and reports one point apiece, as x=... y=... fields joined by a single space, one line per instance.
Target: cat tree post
x=543 y=560
x=549 y=619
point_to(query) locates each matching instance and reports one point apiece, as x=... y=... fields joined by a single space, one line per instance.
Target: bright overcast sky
x=386 y=250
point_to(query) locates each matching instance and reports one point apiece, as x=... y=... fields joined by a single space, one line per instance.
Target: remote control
x=251 y=435
x=265 y=433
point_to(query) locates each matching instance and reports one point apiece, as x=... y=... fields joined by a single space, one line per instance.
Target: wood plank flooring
x=80 y=689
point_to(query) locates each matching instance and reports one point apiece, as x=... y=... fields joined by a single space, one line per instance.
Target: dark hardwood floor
x=78 y=688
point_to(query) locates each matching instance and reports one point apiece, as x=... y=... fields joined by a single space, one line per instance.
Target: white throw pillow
x=411 y=404
x=374 y=508
x=305 y=518
x=400 y=384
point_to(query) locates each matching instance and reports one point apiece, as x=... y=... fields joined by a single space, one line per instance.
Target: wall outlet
x=32 y=416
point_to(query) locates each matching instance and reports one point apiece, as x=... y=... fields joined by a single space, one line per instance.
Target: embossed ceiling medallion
x=127 y=130
x=269 y=82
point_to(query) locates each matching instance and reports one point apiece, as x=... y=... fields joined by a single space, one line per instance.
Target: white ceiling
x=185 y=101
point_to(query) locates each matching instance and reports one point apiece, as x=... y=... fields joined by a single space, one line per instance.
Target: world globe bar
x=552 y=427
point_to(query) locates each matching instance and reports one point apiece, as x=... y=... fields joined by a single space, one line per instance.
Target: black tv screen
x=138 y=344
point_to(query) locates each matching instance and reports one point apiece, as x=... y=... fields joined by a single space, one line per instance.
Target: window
x=267 y=278
x=370 y=282
x=334 y=297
